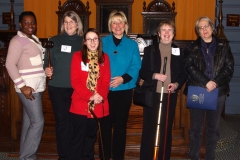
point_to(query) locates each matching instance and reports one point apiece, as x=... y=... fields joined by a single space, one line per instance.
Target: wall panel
x=188 y=12
x=232 y=34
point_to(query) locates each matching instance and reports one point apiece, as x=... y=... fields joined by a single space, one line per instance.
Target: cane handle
x=164 y=65
x=49 y=62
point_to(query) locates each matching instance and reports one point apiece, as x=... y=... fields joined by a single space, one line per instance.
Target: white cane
x=159 y=113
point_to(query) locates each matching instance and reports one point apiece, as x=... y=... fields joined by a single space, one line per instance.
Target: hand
x=172 y=86
x=27 y=92
x=160 y=77
x=116 y=81
x=97 y=98
x=141 y=82
x=211 y=85
x=49 y=71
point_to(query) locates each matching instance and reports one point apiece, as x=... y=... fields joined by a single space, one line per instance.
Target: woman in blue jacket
x=125 y=63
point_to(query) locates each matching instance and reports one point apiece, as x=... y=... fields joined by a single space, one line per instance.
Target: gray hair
x=206 y=19
x=74 y=16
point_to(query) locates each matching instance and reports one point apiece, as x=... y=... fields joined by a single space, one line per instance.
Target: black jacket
x=177 y=70
x=195 y=65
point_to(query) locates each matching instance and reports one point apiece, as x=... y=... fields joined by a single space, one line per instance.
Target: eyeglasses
x=204 y=27
x=70 y=23
x=89 y=40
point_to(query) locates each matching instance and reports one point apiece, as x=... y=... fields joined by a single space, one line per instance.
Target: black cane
x=166 y=126
x=48 y=44
x=164 y=65
x=99 y=126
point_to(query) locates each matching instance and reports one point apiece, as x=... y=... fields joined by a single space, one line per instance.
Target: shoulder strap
x=152 y=57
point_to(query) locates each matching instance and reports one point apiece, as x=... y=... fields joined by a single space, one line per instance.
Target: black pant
x=61 y=101
x=82 y=137
x=114 y=142
x=212 y=118
x=150 y=118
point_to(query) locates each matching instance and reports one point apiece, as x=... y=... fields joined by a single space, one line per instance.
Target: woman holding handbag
x=171 y=81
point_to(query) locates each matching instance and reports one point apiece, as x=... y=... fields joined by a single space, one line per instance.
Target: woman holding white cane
x=171 y=81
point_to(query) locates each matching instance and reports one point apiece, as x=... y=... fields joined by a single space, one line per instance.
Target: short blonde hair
x=74 y=16
x=118 y=14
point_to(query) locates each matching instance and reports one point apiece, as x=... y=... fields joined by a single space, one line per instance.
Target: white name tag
x=176 y=51
x=84 y=67
x=66 y=48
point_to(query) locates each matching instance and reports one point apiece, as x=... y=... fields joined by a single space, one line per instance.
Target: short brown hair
x=167 y=22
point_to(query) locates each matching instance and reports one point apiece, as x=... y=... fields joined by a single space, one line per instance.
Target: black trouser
x=82 y=137
x=114 y=142
x=150 y=118
x=212 y=118
x=61 y=101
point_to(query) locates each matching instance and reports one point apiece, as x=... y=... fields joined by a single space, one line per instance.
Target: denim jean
x=212 y=130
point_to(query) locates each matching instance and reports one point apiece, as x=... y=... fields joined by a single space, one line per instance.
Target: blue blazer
x=124 y=58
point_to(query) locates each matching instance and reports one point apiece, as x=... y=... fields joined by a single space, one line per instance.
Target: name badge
x=176 y=51
x=66 y=48
x=84 y=67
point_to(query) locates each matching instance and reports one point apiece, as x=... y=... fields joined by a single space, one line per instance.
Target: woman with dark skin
x=25 y=67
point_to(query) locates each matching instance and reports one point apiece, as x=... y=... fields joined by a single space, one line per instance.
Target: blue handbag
x=200 y=98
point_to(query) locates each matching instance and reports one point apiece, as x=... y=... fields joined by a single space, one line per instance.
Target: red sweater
x=81 y=94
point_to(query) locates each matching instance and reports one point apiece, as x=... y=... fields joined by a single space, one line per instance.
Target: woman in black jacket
x=171 y=81
x=209 y=63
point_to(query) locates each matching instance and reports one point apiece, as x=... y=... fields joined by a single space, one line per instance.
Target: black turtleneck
x=116 y=40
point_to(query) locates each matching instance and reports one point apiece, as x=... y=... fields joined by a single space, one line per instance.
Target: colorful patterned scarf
x=93 y=75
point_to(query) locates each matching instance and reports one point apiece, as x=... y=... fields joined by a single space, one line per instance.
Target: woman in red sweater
x=90 y=78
